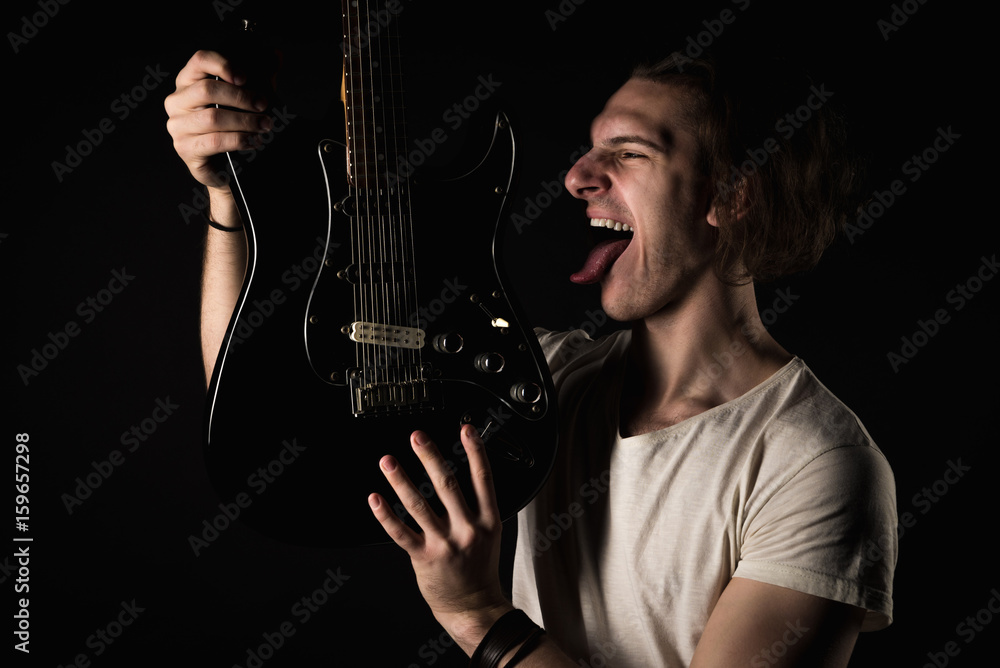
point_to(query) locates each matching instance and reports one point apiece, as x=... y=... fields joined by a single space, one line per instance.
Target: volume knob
x=448 y=343
x=526 y=393
x=490 y=362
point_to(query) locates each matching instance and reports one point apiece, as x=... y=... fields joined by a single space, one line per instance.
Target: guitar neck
x=372 y=92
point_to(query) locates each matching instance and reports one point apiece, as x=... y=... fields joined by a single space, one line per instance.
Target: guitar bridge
x=392 y=396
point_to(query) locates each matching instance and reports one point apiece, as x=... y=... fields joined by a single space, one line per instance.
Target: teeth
x=610 y=224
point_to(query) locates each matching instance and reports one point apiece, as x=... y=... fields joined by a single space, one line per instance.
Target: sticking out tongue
x=600 y=259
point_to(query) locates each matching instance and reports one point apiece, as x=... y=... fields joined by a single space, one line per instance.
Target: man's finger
x=209 y=93
x=482 y=474
x=442 y=476
x=209 y=120
x=397 y=530
x=411 y=498
x=209 y=64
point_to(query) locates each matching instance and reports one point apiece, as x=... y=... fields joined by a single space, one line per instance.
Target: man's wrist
x=223 y=213
x=222 y=228
x=487 y=640
x=503 y=643
x=468 y=629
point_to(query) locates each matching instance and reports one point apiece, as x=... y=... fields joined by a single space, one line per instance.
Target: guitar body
x=336 y=353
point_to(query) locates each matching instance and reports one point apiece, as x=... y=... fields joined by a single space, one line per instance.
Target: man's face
x=643 y=174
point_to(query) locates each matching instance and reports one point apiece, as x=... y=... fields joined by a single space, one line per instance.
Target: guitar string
x=351 y=151
x=407 y=250
x=379 y=278
x=363 y=209
x=405 y=357
x=398 y=123
x=399 y=359
x=355 y=134
x=371 y=364
x=387 y=237
x=383 y=253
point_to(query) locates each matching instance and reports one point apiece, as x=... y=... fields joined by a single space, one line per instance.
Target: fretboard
x=382 y=227
x=373 y=95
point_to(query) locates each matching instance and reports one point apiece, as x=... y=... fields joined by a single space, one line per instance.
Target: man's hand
x=200 y=130
x=456 y=559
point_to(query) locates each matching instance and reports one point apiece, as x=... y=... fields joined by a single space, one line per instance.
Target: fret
x=375 y=111
x=359 y=90
x=365 y=60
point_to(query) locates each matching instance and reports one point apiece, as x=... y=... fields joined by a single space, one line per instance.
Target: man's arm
x=759 y=624
x=223 y=269
x=211 y=113
x=456 y=557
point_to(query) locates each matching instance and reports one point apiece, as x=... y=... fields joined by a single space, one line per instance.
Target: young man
x=712 y=501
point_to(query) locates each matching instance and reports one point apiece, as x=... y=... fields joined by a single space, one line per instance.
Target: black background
x=122 y=208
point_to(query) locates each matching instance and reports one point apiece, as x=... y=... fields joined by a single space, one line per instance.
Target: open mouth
x=611 y=238
x=608 y=224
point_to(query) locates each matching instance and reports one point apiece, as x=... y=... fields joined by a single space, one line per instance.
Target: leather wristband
x=527 y=647
x=219 y=226
x=507 y=632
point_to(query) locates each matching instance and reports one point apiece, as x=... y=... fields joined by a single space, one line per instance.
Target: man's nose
x=587 y=177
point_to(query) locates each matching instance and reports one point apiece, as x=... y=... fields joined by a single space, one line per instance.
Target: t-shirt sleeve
x=830 y=531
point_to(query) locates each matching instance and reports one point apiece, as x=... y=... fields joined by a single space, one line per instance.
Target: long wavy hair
x=784 y=185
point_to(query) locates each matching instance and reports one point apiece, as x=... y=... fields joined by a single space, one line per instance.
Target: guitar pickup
x=395 y=336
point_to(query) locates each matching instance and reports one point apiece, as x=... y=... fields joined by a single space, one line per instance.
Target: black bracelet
x=218 y=226
x=527 y=647
x=511 y=629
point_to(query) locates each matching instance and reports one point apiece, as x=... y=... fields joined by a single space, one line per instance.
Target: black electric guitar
x=374 y=304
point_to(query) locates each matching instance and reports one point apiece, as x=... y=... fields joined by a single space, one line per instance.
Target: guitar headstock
x=255 y=50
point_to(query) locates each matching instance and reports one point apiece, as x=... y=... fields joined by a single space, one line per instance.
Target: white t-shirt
x=626 y=550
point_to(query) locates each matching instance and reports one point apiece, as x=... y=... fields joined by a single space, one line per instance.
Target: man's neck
x=694 y=356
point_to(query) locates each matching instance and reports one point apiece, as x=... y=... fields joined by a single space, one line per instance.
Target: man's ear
x=738 y=202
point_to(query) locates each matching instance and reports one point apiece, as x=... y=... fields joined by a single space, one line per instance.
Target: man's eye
x=629 y=155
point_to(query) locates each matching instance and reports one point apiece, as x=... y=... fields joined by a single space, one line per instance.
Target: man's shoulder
x=804 y=426
x=577 y=346
x=808 y=408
